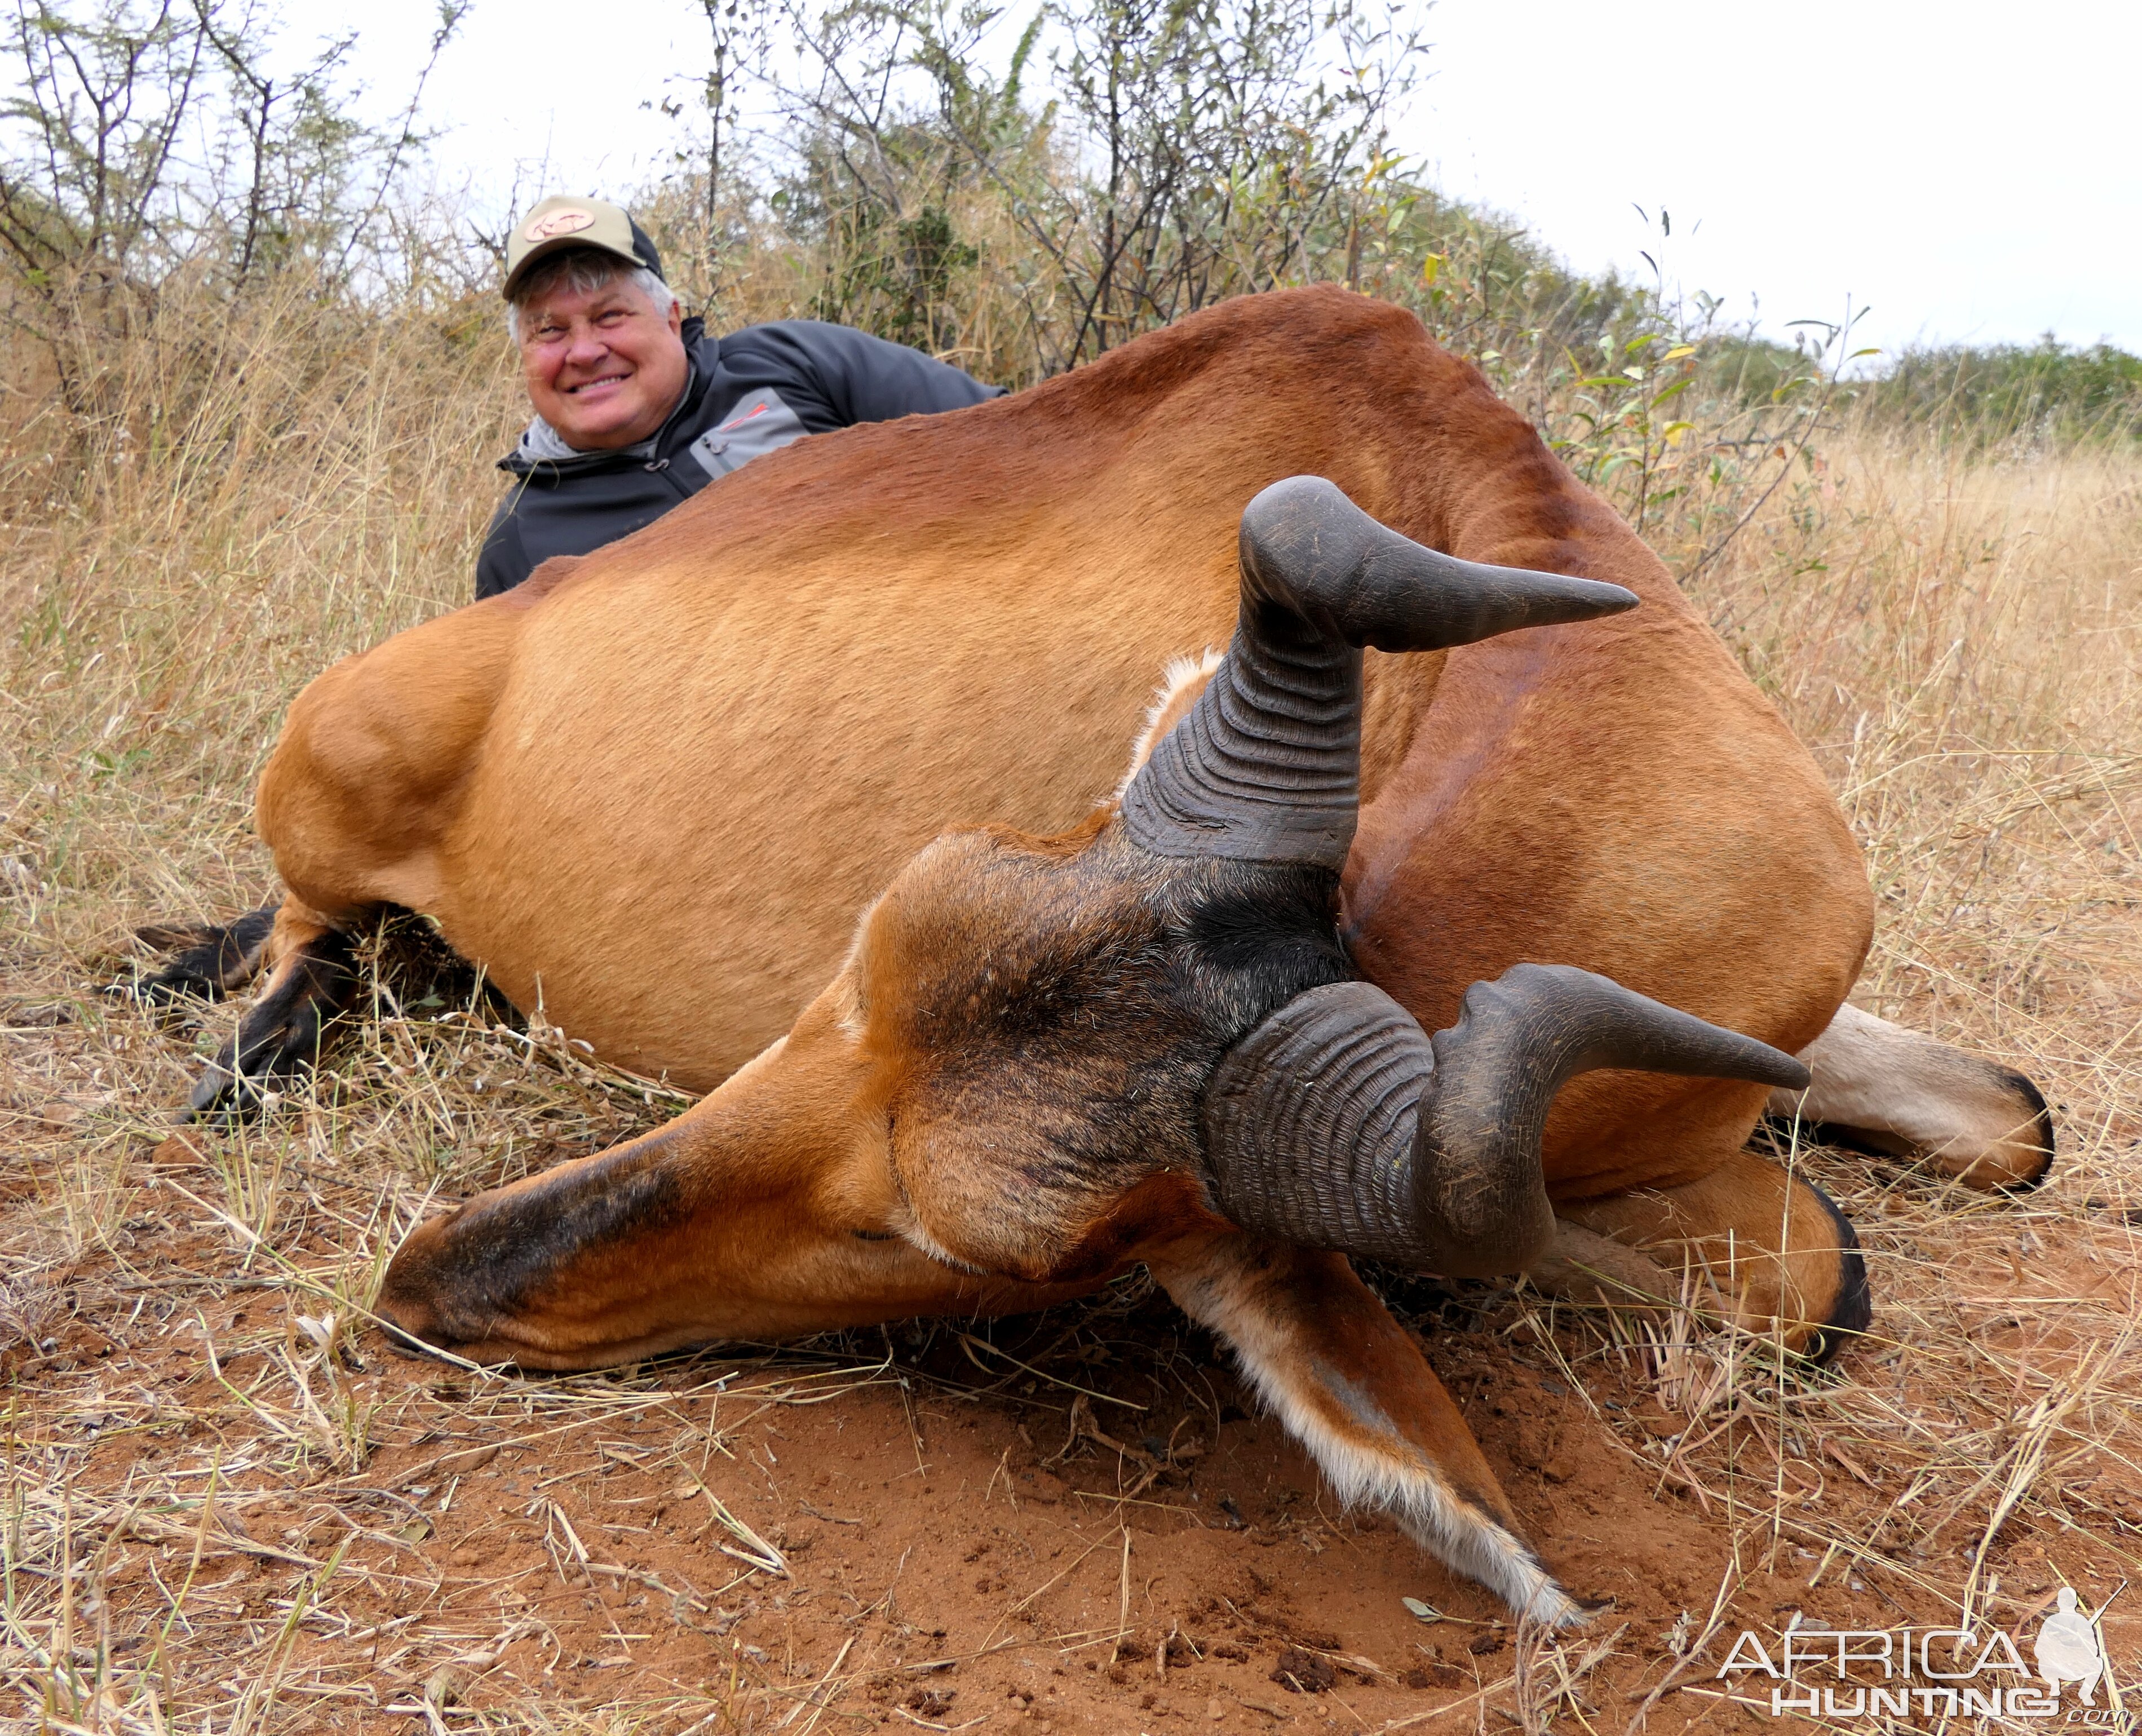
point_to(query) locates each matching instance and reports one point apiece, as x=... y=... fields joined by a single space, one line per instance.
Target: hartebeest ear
x=1266 y=768
x=1338 y=1124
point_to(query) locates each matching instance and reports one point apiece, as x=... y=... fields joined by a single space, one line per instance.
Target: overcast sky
x=1962 y=170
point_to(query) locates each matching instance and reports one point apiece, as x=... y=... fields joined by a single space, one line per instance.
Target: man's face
x=604 y=366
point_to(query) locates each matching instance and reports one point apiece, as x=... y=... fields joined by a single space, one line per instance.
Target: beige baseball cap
x=562 y=221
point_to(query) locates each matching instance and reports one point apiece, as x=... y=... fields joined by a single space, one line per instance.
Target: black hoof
x=281 y=1035
x=220 y=1098
x=1853 y=1310
x=2041 y=1134
x=200 y=963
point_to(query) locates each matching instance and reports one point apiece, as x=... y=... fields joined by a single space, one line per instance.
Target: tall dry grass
x=1955 y=635
x=1956 y=639
x=271 y=488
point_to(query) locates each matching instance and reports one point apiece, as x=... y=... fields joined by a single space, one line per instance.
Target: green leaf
x=1671 y=392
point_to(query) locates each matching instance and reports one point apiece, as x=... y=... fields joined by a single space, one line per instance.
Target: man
x=637 y=408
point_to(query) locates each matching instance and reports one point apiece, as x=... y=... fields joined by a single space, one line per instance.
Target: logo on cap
x=559 y=223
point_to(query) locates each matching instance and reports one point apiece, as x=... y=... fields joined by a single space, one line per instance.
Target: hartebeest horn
x=1337 y=1123
x=1266 y=768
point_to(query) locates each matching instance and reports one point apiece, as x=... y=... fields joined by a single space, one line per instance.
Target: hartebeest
x=650 y=791
x=1046 y=1059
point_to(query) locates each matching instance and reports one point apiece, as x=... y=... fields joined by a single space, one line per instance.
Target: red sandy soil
x=1071 y=1522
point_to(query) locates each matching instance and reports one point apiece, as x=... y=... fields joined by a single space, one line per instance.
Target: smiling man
x=637 y=408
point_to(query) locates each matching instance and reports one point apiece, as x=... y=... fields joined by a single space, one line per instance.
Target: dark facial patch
x=482 y=1268
x=1253 y=937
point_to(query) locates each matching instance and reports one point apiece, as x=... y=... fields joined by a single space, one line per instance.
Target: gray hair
x=585 y=269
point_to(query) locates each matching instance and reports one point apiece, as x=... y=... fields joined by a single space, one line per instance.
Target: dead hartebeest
x=650 y=791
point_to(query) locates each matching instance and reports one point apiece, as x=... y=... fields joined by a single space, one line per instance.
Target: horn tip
x=1572 y=599
x=1775 y=1068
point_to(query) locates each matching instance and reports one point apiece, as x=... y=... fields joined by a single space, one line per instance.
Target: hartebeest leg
x=354 y=802
x=1903 y=1092
x=312 y=976
x=1773 y=1245
x=1351 y=1385
x=1595 y=1272
x=202 y=961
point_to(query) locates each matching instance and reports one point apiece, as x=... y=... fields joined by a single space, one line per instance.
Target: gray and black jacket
x=749 y=392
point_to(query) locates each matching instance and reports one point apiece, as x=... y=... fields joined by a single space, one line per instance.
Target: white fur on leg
x=1383 y=1470
x=1974 y=1118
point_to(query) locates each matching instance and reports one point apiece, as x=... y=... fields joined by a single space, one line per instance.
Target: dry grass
x=1961 y=645
x=223 y=1509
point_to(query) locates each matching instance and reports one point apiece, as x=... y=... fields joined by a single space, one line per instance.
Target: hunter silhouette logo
x=2068 y=1650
